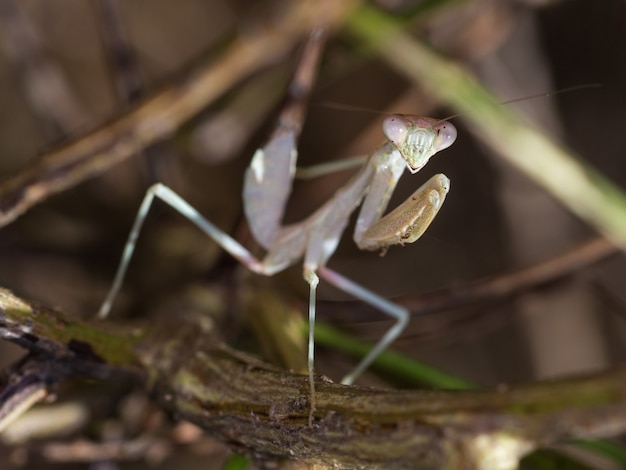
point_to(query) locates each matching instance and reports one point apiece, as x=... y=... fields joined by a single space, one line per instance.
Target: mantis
x=410 y=142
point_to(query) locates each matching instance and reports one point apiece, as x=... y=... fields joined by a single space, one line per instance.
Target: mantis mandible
x=410 y=142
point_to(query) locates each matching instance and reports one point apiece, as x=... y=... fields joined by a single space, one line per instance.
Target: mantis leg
x=269 y=178
x=322 y=169
x=321 y=244
x=400 y=314
x=313 y=280
x=187 y=210
x=407 y=222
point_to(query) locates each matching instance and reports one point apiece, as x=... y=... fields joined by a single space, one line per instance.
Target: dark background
x=64 y=252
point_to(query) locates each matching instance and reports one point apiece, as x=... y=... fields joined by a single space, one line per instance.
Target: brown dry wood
x=158 y=117
x=263 y=411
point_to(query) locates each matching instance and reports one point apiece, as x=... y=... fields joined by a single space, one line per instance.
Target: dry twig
x=159 y=117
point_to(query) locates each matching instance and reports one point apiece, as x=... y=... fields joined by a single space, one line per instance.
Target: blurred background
x=67 y=66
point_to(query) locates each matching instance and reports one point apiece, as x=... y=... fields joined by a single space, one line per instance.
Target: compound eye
x=446 y=135
x=395 y=128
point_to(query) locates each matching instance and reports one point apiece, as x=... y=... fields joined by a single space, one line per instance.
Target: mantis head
x=418 y=138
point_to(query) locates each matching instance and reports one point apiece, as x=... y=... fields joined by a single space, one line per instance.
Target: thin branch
x=160 y=116
x=505 y=285
x=148 y=448
x=119 y=51
x=25 y=384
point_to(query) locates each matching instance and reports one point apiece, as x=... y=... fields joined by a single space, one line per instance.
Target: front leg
x=407 y=222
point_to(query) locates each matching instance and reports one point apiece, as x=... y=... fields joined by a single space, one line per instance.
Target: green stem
x=587 y=193
x=389 y=362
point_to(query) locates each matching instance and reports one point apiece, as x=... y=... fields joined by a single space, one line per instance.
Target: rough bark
x=262 y=411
